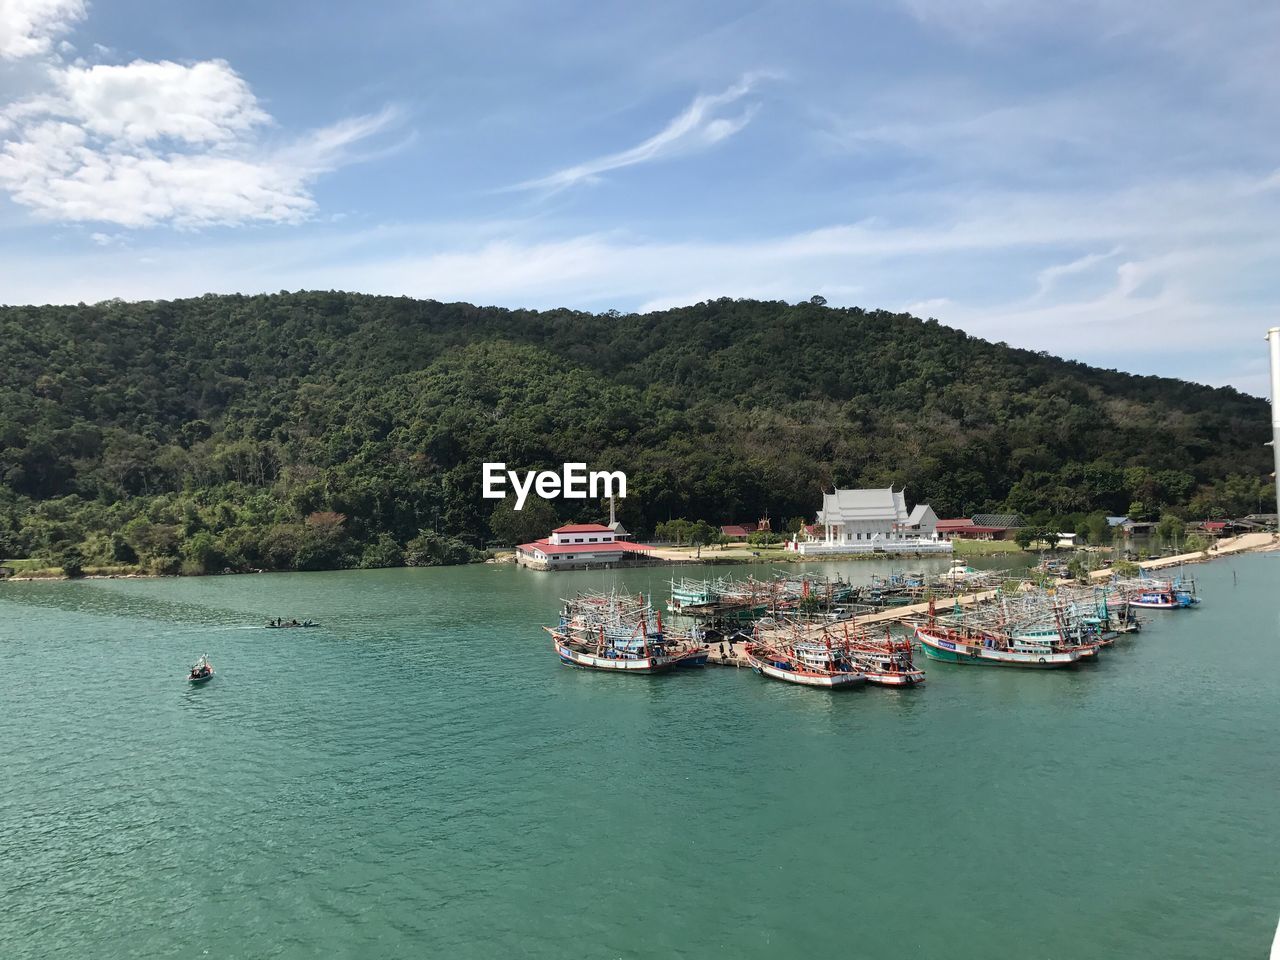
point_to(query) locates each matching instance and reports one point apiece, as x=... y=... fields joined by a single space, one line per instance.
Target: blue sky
x=1099 y=180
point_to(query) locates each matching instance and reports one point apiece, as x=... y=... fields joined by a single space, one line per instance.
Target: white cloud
x=27 y=27
x=698 y=127
x=205 y=102
x=160 y=142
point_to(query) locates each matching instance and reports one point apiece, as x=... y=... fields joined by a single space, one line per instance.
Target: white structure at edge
x=862 y=521
x=1273 y=343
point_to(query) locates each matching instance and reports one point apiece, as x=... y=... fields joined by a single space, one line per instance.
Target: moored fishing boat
x=882 y=660
x=810 y=664
x=888 y=663
x=1163 y=598
x=201 y=670
x=613 y=656
x=969 y=646
x=1150 y=593
x=620 y=633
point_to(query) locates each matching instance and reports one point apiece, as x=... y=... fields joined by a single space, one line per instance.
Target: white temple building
x=862 y=521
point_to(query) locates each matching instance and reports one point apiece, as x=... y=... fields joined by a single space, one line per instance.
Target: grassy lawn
x=31 y=568
x=38 y=568
x=23 y=565
x=976 y=548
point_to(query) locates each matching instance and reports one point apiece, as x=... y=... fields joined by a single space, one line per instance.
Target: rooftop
x=1004 y=521
x=583 y=528
x=843 y=506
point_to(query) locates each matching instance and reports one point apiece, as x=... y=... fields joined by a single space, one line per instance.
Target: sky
x=1099 y=180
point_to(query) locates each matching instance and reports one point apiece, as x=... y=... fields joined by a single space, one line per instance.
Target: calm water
x=422 y=778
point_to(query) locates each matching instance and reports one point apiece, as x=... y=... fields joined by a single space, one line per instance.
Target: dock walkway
x=1245 y=543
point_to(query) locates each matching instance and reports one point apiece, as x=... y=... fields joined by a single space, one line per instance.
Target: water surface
x=420 y=777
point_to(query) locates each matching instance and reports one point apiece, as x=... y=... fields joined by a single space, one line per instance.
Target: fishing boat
x=888 y=663
x=201 y=670
x=722 y=601
x=290 y=624
x=621 y=633
x=1035 y=638
x=882 y=660
x=619 y=658
x=1163 y=597
x=1151 y=593
x=992 y=649
x=810 y=664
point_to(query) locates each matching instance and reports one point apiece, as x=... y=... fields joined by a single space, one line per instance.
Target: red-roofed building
x=580 y=546
x=965 y=529
x=740 y=531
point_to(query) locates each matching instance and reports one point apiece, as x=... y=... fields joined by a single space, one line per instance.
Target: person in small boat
x=293 y=623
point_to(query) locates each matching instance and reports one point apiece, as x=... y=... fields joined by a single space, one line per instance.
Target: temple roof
x=850 y=506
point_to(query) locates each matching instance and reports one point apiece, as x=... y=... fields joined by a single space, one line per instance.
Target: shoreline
x=1230 y=547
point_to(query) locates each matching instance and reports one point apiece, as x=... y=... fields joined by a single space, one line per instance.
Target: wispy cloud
x=700 y=125
x=1049 y=277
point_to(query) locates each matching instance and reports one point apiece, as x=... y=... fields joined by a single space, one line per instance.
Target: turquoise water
x=422 y=778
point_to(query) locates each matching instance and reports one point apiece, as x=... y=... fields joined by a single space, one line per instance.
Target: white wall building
x=580 y=546
x=860 y=521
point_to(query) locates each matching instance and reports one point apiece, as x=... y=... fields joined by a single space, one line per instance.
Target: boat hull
x=884 y=679
x=803 y=678
x=636 y=665
x=949 y=651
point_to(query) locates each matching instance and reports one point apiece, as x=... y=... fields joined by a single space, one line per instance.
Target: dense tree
x=511 y=526
x=205 y=433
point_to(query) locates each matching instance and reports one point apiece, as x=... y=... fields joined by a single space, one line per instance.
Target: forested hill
x=233 y=431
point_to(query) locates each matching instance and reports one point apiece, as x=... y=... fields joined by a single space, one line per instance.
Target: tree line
x=320 y=430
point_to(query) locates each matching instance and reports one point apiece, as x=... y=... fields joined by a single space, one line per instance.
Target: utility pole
x=1273 y=339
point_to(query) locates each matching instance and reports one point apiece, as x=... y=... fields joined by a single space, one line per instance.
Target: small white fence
x=818 y=548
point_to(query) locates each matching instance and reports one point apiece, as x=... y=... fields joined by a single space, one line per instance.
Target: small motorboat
x=282 y=624
x=201 y=670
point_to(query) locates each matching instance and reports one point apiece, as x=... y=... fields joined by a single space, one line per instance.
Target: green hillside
x=316 y=430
